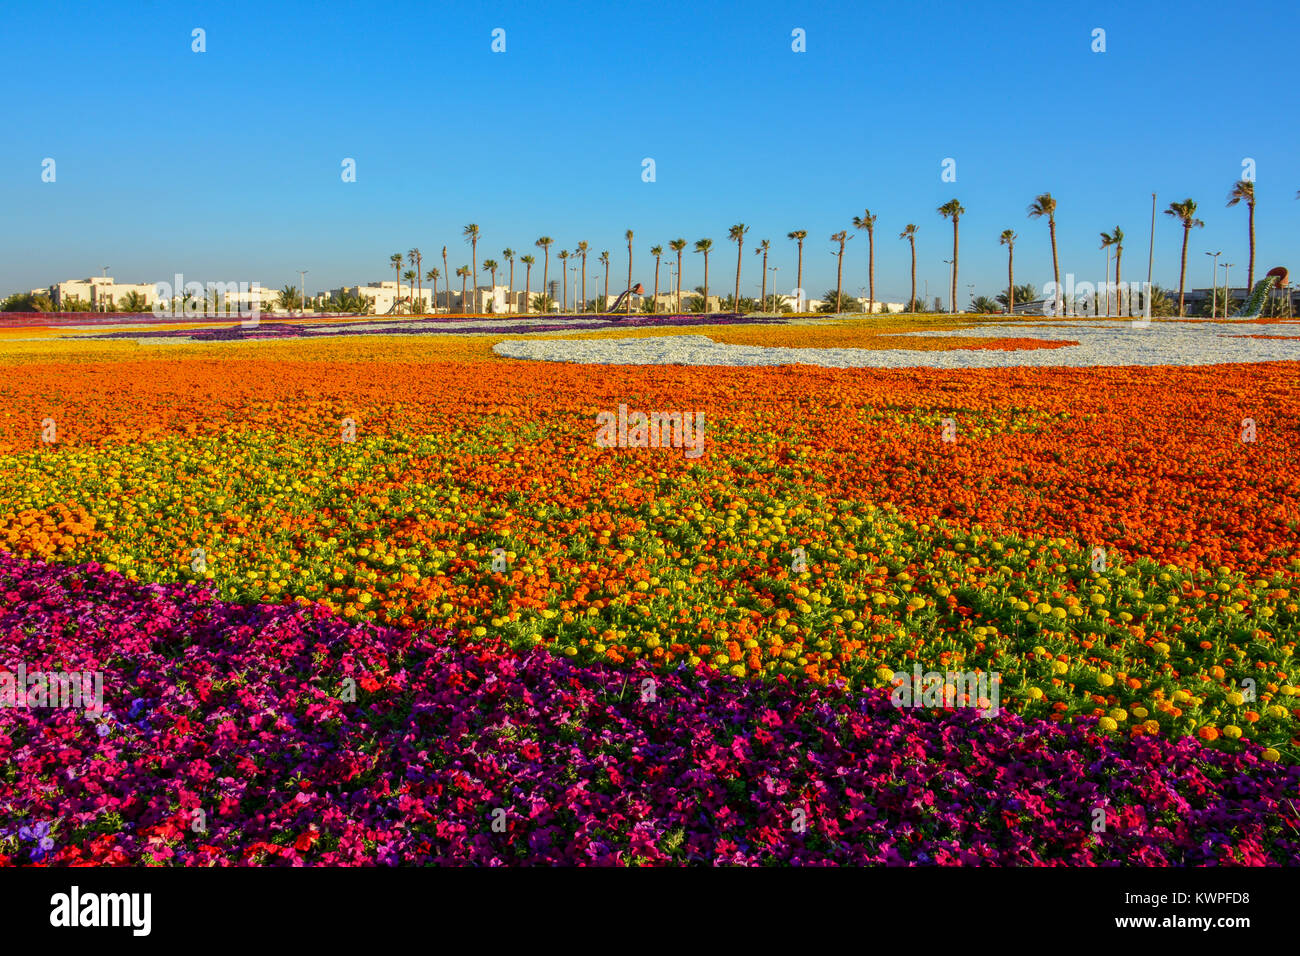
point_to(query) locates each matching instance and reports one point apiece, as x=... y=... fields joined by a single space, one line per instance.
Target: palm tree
x=868 y=222
x=409 y=276
x=604 y=261
x=528 y=280
x=433 y=275
x=1115 y=239
x=677 y=245
x=563 y=256
x=657 y=252
x=1107 y=241
x=447 y=272
x=1243 y=190
x=737 y=235
x=583 y=248
x=1045 y=205
x=491 y=265
x=764 y=245
x=544 y=244
x=414 y=258
x=1184 y=212
x=135 y=302
x=509 y=256
x=909 y=233
x=470 y=233
x=628 y=236
x=396 y=261
x=953 y=209
x=841 y=237
x=799 y=235
x=287 y=298
x=463 y=272
x=704 y=245
x=1008 y=239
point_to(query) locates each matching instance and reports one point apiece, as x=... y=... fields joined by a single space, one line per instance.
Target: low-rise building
x=101 y=293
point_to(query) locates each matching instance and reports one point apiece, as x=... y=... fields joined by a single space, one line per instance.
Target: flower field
x=1104 y=543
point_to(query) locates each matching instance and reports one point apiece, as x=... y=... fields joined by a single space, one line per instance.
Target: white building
x=99 y=292
x=381 y=296
x=880 y=308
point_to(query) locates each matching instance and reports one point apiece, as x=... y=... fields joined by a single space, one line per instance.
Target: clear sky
x=226 y=165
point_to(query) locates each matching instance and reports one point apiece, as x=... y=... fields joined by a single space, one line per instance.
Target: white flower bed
x=1100 y=343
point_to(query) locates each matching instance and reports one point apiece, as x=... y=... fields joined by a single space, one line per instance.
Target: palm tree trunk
x=629 y=279
x=839 y=279
x=679 y=282
x=528 y=285
x=654 y=302
x=706 y=281
x=446 y=274
x=798 y=276
x=510 y=289
x=912 y=243
x=1056 y=269
x=546 y=269
x=954 y=265
x=735 y=297
x=1119 y=298
x=583 y=307
x=1250 y=269
x=1182 y=270
x=1011 y=279
x=762 y=296
x=871 y=272
x=473 y=254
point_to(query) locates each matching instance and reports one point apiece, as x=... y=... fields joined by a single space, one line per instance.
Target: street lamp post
x=302 y=291
x=1214 y=284
x=774 y=270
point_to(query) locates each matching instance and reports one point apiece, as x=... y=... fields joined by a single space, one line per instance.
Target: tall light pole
x=302 y=291
x=1227 y=289
x=1151 y=251
x=774 y=270
x=1214 y=288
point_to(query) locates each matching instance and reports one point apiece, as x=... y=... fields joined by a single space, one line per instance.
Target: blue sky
x=225 y=165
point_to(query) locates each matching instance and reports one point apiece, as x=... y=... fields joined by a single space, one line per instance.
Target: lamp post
x=302 y=291
x=1214 y=284
x=1151 y=252
x=774 y=270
